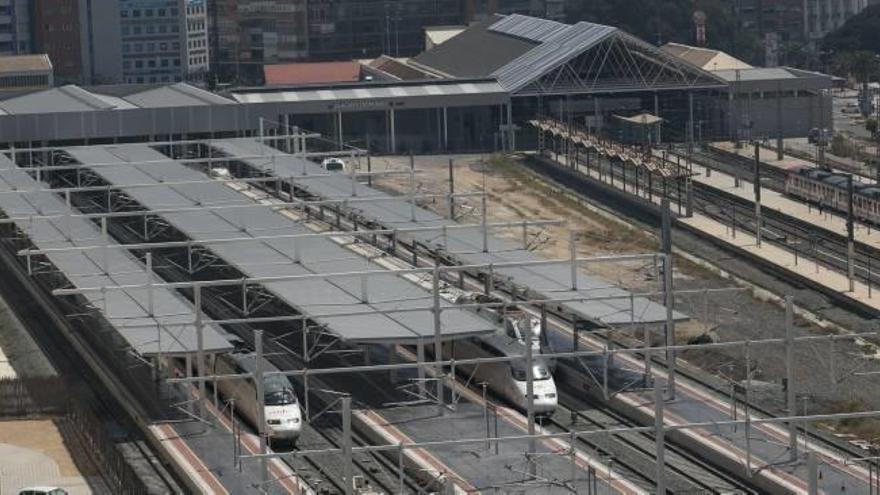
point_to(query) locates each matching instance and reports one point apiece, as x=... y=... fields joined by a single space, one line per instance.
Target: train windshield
x=539 y=373
x=333 y=166
x=278 y=392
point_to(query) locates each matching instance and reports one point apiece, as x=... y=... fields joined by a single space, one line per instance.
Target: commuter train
x=829 y=190
x=282 y=411
x=508 y=379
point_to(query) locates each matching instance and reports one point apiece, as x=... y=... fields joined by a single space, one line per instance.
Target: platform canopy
x=151 y=322
x=385 y=308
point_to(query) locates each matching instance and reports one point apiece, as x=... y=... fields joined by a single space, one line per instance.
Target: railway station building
x=474 y=92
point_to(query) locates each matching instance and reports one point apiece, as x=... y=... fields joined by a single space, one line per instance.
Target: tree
x=871 y=125
x=860 y=32
x=662 y=21
x=861 y=65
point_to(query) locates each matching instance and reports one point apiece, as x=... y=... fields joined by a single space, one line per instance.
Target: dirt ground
x=827 y=375
x=34 y=452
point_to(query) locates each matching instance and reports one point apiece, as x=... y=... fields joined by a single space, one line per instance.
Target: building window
x=138 y=64
x=137 y=30
x=161 y=12
x=136 y=13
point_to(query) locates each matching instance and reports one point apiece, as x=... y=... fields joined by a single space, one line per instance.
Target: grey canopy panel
x=555 y=50
x=168 y=329
x=553 y=281
x=388 y=295
x=527 y=27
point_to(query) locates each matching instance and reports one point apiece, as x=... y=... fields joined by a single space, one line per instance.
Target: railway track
x=94 y=384
x=573 y=180
x=797 y=236
x=636 y=456
x=685 y=473
x=323 y=472
x=416 y=253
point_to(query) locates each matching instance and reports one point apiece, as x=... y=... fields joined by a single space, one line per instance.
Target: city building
x=57 y=33
x=763 y=102
x=476 y=92
x=124 y=41
x=480 y=10
x=25 y=72
x=790 y=29
x=346 y=29
x=163 y=40
x=248 y=33
x=15 y=27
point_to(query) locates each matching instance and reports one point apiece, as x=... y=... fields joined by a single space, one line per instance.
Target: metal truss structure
x=619 y=63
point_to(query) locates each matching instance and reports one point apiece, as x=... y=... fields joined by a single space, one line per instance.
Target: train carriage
x=281 y=407
x=829 y=190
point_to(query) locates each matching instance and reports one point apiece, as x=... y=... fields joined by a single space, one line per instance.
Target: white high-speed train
x=508 y=379
x=282 y=411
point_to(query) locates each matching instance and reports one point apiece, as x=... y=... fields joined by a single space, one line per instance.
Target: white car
x=333 y=165
x=43 y=490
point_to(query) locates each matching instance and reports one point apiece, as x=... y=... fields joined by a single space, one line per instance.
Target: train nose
x=545 y=402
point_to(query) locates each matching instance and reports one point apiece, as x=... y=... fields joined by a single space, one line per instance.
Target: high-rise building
x=15 y=27
x=791 y=28
x=823 y=16
x=116 y=41
x=57 y=33
x=245 y=34
x=480 y=10
x=345 y=29
x=163 y=40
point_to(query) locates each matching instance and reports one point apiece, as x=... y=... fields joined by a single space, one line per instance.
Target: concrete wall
x=799 y=113
x=105 y=41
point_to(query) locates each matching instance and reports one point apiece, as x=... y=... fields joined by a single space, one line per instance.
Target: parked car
x=43 y=490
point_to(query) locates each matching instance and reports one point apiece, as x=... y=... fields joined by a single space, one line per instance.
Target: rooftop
x=437 y=35
x=311 y=73
x=705 y=58
x=72 y=98
x=529 y=55
x=25 y=63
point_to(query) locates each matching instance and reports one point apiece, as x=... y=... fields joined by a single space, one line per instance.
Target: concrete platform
x=768 y=157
